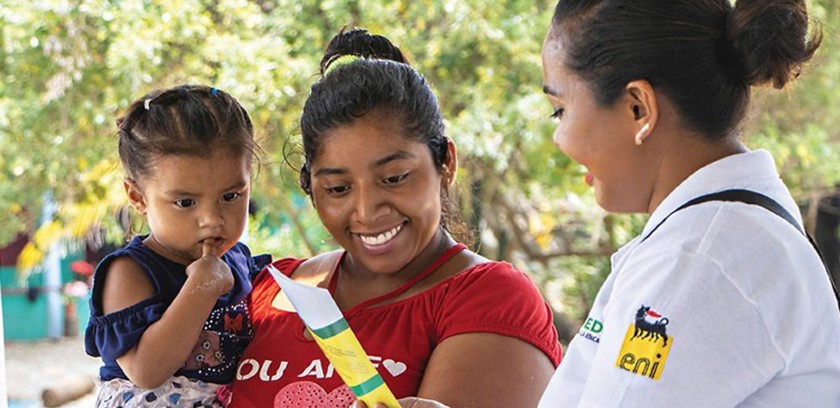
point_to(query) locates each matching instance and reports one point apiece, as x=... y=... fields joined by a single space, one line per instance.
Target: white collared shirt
x=740 y=294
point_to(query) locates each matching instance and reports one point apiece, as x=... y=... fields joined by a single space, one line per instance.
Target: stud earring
x=641 y=134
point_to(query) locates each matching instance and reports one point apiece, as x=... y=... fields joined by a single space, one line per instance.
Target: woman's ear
x=450 y=163
x=135 y=196
x=644 y=107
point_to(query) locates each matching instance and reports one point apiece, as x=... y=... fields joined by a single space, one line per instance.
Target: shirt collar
x=740 y=170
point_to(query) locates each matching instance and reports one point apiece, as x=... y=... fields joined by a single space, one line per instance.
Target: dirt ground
x=32 y=367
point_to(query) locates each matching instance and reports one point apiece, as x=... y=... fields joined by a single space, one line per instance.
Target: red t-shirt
x=281 y=368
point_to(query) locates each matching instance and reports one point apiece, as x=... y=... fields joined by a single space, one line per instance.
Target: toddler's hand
x=209 y=272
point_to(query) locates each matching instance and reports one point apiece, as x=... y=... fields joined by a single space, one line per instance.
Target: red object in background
x=9 y=253
x=83 y=268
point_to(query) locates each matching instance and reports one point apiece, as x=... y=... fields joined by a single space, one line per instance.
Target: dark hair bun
x=358 y=42
x=770 y=37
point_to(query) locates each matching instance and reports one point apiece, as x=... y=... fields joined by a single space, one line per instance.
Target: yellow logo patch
x=646 y=345
x=643 y=356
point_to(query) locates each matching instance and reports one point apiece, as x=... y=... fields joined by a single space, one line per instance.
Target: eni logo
x=646 y=346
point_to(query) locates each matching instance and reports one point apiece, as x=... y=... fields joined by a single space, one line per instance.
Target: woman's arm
x=486 y=370
x=481 y=370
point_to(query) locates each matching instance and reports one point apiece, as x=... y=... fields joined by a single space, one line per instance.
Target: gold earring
x=640 y=135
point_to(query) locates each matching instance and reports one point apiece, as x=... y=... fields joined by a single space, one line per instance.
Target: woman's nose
x=368 y=204
x=558 y=138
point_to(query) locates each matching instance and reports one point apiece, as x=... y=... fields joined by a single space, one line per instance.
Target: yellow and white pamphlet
x=324 y=319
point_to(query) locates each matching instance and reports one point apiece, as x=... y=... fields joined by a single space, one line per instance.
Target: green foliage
x=69 y=68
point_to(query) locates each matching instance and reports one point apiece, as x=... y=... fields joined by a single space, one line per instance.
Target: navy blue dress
x=225 y=334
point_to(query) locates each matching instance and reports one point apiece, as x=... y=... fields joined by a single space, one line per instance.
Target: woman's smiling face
x=377 y=192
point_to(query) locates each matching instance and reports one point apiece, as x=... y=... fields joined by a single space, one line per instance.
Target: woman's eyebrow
x=398 y=155
x=550 y=91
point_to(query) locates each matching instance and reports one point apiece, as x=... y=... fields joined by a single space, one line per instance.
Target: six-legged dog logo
x=650 y=325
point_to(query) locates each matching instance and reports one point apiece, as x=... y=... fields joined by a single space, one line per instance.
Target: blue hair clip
x=214 y=91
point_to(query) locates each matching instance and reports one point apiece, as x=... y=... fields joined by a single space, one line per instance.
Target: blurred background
x=70 y=67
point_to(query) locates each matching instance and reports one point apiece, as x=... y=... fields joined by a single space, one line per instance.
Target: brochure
x=324 y=319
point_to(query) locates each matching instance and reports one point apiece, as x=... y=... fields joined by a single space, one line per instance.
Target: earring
x=641 y=134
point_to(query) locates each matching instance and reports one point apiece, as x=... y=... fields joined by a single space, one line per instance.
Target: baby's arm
x=167 y=343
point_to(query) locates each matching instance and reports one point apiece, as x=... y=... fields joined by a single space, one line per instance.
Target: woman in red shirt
x=437 y=320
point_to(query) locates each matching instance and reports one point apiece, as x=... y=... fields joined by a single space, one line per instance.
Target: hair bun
x=359 y=42
x=770 y=40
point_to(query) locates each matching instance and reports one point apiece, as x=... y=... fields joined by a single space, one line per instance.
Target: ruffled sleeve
x=112 y=335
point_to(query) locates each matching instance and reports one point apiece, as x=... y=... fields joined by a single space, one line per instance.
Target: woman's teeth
x=381 y=238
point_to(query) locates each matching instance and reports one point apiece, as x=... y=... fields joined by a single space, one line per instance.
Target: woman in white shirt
x=722 y=301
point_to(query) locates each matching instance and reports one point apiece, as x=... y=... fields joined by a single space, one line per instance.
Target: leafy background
x=69 y=67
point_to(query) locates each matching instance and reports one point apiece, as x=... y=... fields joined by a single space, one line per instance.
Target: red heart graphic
x=310 y=395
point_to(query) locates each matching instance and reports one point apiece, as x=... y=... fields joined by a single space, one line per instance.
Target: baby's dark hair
x=187 y=120
x=362 y=73
x=704 y=54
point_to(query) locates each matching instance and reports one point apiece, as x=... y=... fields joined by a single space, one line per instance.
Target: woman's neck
x=357 y=284
x=682 y=158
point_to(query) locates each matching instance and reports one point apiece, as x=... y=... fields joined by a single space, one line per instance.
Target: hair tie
x=146 y=103
x=340 y=62
x=214 y=91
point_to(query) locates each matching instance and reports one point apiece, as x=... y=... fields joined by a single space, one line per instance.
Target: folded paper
x=325 y=321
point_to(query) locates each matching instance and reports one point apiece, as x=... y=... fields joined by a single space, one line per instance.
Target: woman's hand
x=409 y=402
